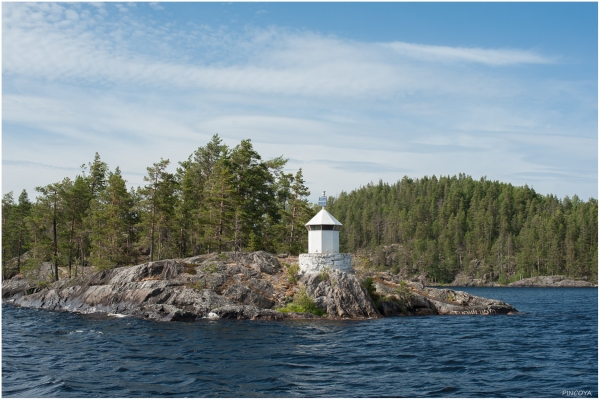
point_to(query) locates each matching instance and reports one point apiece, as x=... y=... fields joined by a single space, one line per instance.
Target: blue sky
x=350 y=92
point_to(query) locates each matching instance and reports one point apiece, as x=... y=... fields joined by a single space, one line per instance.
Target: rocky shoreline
x=538 y=281
x=253 y=286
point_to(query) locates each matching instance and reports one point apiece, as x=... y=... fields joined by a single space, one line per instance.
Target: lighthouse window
x=323 y=227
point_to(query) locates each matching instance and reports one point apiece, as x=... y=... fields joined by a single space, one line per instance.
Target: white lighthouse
x=323 y=233
x=324 y=243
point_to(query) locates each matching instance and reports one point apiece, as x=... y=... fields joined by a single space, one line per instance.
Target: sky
x=350 y=92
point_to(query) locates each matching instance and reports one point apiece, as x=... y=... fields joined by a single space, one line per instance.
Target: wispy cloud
x=31 y=164
x=363 y=166
x=156 y=6
x=494 y=57
x=67 y=45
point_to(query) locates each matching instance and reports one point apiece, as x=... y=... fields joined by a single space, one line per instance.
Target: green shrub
x=324 y=274
x=369 y=285
x=292 y=273
x=405 y=295
x=502 y=279
x=101 y=264
x=302 y=303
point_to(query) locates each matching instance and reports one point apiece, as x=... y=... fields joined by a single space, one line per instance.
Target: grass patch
x=324 y=274
x=200 y=285
x=189 y=269
x=302 y=303
x=212 y=267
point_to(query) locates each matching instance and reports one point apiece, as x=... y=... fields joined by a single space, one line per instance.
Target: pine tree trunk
x=152 y=237
x=220 y=228
x=55 y=244
x=19 y=251
x=292 y=230
x=71 y=245
x=153 y=218
x=181 y=243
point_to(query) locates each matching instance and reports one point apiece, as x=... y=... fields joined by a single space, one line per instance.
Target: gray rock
x=550 y=281
x=447 y=301
x=469 y=281
x=339 y=294
x=247 y=312
x=392 y=308
x=243 y=294
x=426 y=301
x=260 y=261
x=17 y=286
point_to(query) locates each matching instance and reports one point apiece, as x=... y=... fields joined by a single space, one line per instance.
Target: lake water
x=550 y=348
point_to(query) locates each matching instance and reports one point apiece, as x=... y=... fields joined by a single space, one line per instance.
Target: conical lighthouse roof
x=323 y=218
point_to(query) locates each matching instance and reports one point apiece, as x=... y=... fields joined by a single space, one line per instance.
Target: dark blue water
x=550 y=348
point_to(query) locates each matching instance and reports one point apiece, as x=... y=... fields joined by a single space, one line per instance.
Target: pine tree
x=8 y=230
x=110 y=221
x=22 y=212
x=299 y=214
x=159 y=199
x=51 y=207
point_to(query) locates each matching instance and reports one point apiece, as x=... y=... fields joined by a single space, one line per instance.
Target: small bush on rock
x=369 y=284
x=302 y=303
x=324 y=274
x=404 y=293
x=292 y=273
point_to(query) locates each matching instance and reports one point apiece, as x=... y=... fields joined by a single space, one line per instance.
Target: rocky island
x=242 y=286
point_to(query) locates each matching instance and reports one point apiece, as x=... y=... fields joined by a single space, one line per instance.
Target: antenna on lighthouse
x=323 y=200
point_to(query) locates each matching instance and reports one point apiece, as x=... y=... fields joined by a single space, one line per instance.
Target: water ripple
x=552 y=346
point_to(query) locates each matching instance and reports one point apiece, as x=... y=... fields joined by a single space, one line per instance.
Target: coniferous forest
x=219 y=199
x=230 y=199
x=443 y=226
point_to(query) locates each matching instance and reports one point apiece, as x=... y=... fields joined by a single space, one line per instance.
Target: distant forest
x=230 y=199
x=219 y=199
x=443 y=226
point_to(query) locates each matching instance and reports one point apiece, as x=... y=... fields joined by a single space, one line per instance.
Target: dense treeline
x=456 y=224
x=229 y=199
x=219 y=199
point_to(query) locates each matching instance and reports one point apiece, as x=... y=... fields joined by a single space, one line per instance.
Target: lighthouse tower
x=324 y=243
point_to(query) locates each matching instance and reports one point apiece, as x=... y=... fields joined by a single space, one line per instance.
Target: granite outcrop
x=253 y=286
